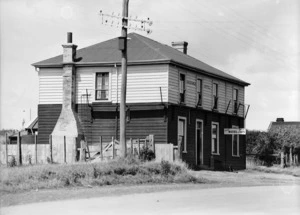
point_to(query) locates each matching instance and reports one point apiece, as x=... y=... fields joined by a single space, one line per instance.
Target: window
x=235 y=144
x=182 y=88
x=215 y=138
x=215 y=96
x=199 y=92
x=182 y=133
x=102 y=86
x=235 y=100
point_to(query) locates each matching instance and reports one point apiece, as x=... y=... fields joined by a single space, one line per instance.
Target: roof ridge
x=150 y=46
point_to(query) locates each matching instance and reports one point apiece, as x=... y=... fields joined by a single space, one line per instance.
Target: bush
x=147 y=154
x=12 y=161
x=120 y=171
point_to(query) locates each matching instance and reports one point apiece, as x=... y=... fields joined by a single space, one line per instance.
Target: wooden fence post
x=101 y=147
x=282 y=159
x=131 y=146
x=151 y=142
x=19 y=149
x=113 y=148
x=50 y=148
x=35 y=143
x=6 y=149
x=65 y=150
x=139 y=146
x=291 y=156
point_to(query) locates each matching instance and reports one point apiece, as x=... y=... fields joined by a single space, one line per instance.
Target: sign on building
x=230 y=131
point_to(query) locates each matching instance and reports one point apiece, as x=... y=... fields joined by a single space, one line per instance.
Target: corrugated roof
x=140 y=50
x=276 y=125
x=33 y=125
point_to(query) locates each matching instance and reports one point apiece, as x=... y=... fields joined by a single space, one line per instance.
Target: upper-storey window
x=182 y=88
x=235 y=100
x=215 y=96
x=199 y=92
x=102 y=86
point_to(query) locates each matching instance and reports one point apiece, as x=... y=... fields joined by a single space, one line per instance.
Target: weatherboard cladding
x=141 y=50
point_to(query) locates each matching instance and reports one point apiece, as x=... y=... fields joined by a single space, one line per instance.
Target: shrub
x=12 y=161
x=147 y=154
x=165 y=168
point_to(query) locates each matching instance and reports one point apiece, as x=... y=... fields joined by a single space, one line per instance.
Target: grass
x=121 y=171
x=292 y=170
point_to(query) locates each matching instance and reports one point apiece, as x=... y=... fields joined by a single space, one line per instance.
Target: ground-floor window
x=182 y=133
x=215 y=138
x=235 y=143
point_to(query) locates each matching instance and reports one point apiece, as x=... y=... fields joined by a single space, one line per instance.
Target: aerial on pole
x=126 y=23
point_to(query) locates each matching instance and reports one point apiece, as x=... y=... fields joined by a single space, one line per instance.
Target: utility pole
x=124 y=80
x=126 y=23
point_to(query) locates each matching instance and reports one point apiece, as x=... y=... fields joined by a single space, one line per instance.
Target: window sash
x=102 y=86
x=199 y=92
x=215 y=138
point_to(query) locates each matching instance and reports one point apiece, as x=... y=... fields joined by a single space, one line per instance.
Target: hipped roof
x=141 y=50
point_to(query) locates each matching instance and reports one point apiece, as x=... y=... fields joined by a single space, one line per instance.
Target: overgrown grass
x=121 y=171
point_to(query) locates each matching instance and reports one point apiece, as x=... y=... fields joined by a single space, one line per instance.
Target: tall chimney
x=181 y=46
x=67 y=127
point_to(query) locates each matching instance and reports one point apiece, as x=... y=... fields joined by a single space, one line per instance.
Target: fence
x=25 y=150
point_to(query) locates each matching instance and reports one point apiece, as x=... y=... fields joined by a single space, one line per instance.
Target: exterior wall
x=48 y=116
x=225 y=158
x=143 y=84
x=50 y=85
x=105 y=123
x=225 y=91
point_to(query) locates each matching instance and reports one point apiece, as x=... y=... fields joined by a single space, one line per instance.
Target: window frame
x=183 y=88
x=185 y=133
x=235 y=102
x=218 y=138
x=199 y=93
x=215 y=97
x=237 y=144
x=96 y=87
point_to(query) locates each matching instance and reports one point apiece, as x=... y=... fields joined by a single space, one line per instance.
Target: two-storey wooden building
x=169 y=94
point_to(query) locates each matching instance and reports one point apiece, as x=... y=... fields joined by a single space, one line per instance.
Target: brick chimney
x=181 y=46
x=67 y=127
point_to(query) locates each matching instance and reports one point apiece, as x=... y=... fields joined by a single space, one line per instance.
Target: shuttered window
x=182 y=88
x=215 y=96
x=199 y=92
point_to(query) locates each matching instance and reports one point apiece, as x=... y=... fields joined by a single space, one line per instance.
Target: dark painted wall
x=48 y=115
x=222 y=161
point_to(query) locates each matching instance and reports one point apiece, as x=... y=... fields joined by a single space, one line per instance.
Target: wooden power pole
x=124 y=80
x=136 y=24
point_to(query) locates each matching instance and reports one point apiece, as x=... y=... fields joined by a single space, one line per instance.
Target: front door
x=199 y=142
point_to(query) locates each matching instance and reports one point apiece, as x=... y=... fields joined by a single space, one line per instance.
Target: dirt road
x=230 y=200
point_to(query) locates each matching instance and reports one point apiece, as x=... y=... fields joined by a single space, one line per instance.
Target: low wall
x=29 y=153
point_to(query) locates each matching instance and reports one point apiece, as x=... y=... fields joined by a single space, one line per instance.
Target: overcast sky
x=254 y=40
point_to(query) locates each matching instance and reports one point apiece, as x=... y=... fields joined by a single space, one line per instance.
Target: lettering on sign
x=191 y=83
x=230 y=131
x=206 y=87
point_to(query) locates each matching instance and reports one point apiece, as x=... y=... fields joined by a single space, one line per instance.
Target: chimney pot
x=181 y=46
x=69 y=37
x=280 y=120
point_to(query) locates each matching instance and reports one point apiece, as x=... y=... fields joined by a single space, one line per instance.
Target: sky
x=254 y=40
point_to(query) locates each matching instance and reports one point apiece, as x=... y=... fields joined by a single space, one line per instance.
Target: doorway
x=199 y=142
